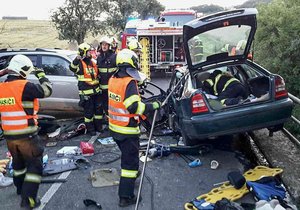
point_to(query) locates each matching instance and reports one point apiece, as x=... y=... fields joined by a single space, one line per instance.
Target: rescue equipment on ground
x=105 y=177
x=266 y=188
x=230 y=192
x=89 y=202
x=87 y=148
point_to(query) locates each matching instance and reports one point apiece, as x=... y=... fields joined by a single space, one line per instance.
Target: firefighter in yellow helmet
x=18 y=109
x=125 y=110
x=89 y=90
x=135 y=46
x=106 y=62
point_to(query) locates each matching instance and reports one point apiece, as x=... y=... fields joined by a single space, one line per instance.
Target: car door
x=65 y=91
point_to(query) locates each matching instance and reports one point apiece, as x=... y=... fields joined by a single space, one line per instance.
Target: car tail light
x=280 y=90
x=198 y=104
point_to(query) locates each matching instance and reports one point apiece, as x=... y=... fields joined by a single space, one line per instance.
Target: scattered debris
x=69 y=151
x=105 y=177
x=107 y=141
x=87 y=148
x=214 y=164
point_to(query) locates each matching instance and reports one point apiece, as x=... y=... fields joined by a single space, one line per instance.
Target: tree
x=253 y=3
x=277 y=44
x=208 y=9
x=76 y=18
x=117 y=13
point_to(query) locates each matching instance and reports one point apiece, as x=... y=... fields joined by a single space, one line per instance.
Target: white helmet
x=105 y=39
x=21 y=65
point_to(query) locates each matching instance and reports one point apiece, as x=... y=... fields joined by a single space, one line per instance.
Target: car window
x=4 y=60
x=231 y=40
x=54 y=65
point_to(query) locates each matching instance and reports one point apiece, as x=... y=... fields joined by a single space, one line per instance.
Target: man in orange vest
x=19 y=107
x=89 y=90
x=125 y=109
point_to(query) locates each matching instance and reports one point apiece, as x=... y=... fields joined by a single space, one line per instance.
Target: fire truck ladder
x=145 y=67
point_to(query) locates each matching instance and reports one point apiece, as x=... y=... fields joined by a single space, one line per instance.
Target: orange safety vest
x=14 y=119
x=119 y=116
x=88 y=71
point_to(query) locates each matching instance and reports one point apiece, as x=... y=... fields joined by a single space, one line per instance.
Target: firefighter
x=89 y=90
x=106 y=62
x=198 y=50
x=125 y=111
x=19 y=107
x=114 y=45
x=226 y=87
x=135 y=46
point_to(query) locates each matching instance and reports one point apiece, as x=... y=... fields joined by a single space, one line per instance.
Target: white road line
x=48 y=195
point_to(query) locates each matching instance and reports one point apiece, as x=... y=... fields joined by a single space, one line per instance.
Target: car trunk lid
x=218 y=38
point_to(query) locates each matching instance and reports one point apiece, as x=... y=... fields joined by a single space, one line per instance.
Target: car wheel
x=187 y=141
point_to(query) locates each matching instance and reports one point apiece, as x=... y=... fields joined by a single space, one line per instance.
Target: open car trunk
x=257 y=86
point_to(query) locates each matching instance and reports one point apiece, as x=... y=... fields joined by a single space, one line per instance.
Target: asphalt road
x=170 y=182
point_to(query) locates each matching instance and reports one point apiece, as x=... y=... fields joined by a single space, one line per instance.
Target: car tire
x=188 y=141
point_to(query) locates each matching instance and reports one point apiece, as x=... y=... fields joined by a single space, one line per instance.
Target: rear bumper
x=237 y=121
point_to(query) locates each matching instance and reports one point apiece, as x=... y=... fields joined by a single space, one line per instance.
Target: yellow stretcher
x=228 y=191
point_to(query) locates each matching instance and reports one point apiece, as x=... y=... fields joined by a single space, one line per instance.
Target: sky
x=42 y=9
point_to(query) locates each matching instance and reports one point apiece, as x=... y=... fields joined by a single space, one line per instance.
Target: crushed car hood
x=220 y=37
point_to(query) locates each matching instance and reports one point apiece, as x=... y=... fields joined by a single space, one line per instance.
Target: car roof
x=70 y=54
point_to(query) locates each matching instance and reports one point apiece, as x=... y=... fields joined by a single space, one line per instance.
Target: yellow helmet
x=127 y=57
x=83 y=48
x=134 y=45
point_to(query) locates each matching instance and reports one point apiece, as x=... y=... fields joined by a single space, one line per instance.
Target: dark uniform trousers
x=93 y=112
x=27 y=164
x=104 y=98
x=234 y=93
x=129 y=161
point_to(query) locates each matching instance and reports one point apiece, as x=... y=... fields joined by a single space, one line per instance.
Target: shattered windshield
x=231 y=39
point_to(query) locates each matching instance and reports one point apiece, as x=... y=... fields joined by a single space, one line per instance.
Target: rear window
x=230 y=39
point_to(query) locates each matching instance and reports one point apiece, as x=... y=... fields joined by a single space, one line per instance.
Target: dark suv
x=55 y=63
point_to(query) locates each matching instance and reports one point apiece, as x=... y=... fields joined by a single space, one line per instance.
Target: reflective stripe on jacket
x=90 y=74
x=119 y=116
x=14 y=118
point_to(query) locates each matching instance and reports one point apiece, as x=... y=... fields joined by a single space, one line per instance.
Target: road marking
x=48 y=195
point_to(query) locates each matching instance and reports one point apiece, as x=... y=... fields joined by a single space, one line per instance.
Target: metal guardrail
x=291 y=136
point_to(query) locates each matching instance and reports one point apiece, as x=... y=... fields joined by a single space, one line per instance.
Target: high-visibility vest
x=119 y=117
x=14 y=119
x=90 y=74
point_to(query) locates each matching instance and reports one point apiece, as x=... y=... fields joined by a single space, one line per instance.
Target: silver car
x=55 y=62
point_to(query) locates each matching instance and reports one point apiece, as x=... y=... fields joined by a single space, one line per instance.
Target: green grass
x=31 y=34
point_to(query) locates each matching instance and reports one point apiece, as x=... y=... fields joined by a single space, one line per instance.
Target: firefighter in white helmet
x=18 y=109
x=106 y=62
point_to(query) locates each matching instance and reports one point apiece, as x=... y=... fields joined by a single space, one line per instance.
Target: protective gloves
x=77 y=59
x=156 y=105
x=39 y=73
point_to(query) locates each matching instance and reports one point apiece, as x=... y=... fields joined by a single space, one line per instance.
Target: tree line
x=276 y=45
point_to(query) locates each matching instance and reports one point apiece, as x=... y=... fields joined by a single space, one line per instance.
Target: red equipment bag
x=87 y=148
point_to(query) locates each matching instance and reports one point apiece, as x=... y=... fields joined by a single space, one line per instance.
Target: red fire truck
x=164 y=36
